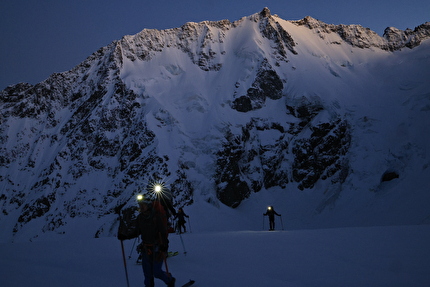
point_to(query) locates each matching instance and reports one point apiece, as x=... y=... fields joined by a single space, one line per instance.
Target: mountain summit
x=330 y=122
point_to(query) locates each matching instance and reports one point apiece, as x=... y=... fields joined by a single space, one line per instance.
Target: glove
x=121 y=236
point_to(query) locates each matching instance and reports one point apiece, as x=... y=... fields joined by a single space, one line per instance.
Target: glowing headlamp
x=140 y=197
x=157 y=188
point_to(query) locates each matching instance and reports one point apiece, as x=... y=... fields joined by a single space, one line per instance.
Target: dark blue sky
x=41 y=37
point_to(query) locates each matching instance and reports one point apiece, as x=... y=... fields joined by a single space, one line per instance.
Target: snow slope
x=232 y=247
x=395 y=256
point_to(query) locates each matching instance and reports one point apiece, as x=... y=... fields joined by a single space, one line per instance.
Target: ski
x=190 y=283
x=172 y=253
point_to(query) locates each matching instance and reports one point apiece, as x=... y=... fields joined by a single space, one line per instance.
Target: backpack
x=161 y=211
x=127 y=222
x=153 y=225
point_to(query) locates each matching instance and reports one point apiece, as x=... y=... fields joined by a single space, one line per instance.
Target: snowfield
x=360 y=256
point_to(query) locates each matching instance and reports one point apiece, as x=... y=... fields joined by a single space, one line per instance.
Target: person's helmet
x=143 y=199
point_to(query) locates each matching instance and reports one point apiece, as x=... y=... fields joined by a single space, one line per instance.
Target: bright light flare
x=154 y=191
x=158 y=188
x=269 y=208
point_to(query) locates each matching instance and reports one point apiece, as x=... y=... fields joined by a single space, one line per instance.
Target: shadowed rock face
x=293 y=157
x=267 y=85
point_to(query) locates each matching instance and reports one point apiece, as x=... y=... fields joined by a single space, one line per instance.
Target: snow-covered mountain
x=327 y=122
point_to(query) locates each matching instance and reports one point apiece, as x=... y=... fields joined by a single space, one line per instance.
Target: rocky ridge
x=356 y=35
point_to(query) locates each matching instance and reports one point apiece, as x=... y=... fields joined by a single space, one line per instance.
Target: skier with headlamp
x=271 y=213
x=151 y=226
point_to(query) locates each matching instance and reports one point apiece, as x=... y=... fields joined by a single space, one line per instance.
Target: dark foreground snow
x=370 y=256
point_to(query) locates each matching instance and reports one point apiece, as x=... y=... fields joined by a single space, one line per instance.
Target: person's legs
x=272 y=224
x=158 y=271
x=148 y=268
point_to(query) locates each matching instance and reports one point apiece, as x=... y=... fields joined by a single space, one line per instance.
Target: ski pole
x=282 y=224
x=129 y=256
x=183 y=245
x=189 y=224
x=125 y=262
x=263 y=222
x=165 y=263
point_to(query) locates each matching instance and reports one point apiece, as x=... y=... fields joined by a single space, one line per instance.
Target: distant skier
x=150 y=225
x=271 y=213
x=181 y=220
